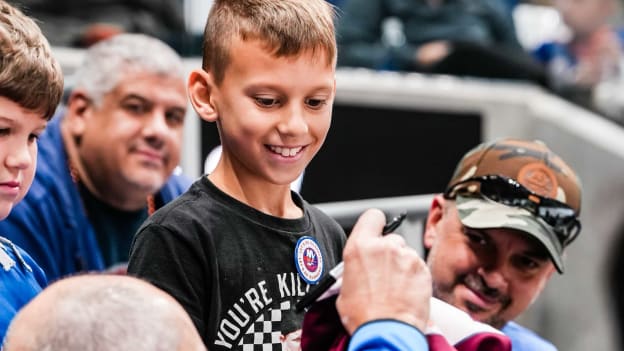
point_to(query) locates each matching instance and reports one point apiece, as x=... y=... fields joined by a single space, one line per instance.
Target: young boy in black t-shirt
x=239 y=248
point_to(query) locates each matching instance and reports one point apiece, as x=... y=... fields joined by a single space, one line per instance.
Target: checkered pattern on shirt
x=264 y=333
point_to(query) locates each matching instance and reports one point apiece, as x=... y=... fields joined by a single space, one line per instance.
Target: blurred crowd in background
x=571 y=47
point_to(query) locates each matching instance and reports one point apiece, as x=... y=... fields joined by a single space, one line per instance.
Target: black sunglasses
x=561 y=217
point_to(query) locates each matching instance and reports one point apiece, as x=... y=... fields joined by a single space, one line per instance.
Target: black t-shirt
x=231 y=266
x=114 y=228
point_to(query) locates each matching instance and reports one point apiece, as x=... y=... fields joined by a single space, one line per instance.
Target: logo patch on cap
x=538 y=178
x=309 y=259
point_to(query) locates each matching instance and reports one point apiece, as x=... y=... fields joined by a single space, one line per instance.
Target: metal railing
x=346 y=213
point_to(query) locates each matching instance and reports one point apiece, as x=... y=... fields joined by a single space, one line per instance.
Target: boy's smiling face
x=273 y=112
x=19 y=130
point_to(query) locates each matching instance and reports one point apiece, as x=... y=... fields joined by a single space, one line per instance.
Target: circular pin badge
x=309 y=259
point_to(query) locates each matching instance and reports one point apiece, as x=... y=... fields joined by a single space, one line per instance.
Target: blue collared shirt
x=523 y=339
x=388 y=335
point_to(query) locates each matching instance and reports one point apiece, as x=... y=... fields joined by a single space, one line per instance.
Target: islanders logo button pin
x=309 y=260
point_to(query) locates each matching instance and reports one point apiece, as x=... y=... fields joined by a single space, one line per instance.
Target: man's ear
x=201 y=88
x=436 y=212
x=77 y=112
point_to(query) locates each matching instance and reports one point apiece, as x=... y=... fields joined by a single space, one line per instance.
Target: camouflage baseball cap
x=534 y=166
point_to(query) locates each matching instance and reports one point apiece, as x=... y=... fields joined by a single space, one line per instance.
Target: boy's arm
x=174 y=264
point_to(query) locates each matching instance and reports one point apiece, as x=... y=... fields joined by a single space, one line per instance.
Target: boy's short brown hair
x=286 y=27
x=29 y=75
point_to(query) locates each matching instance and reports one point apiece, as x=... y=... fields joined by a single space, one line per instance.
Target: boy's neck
x=274 y=200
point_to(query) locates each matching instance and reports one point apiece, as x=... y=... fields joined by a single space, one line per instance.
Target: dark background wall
x=373 y=152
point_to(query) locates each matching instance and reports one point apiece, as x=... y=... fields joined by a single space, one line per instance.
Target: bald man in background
x=102 y=313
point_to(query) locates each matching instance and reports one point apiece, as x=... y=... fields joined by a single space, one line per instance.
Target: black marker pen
x=336 y=272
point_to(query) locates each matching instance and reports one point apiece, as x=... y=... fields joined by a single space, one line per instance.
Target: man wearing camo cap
x=499 y=231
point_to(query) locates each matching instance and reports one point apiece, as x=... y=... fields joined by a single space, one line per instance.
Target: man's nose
x=156 y=124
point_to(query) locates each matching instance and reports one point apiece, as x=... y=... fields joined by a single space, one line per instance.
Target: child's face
x=273 y=113
x=19 y=129
x=585 y=16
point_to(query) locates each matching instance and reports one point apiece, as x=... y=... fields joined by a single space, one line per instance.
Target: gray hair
x=108 y=61
x=121 y=313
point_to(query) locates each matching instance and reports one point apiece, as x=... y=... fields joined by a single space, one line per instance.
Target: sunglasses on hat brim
x=559 y=216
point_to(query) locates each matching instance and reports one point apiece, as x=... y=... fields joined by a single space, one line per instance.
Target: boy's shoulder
x=306 y=206
x=20 y=280
x=184 y=206
x=13 y=257
x=176 y=185
x=320 y=219
x=184 y=196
